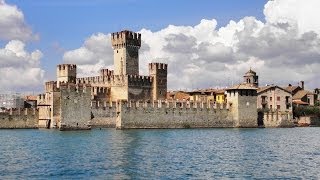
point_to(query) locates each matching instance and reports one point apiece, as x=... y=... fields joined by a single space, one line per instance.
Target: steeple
x=251 y=77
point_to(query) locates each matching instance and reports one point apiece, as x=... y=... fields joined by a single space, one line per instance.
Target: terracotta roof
x=31 y=98
x=300 y=94
x=291 y=88
x=220 y=91
x=178 y=95
x=243 y=86
x=299 y=102
x=261 y=89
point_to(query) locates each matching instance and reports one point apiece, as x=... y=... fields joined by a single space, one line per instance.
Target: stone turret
x=158 y=72
x=126 y=45
x=66 y=73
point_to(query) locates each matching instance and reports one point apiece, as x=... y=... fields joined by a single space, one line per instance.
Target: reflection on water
x=167 y=154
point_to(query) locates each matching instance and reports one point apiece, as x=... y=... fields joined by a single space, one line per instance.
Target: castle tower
x=126 y=45
x=158 y=72
x=251 y=78
x=242 y=100
x=66 y=73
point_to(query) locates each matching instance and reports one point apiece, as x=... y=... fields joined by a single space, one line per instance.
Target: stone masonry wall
x=173 y=115
x=75 y=108
x=19 y=119
x=278 y=119
x=103 y=116
x=247 y=109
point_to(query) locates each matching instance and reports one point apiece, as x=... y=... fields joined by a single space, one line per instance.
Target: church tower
x=126 y=45
x=251 y=78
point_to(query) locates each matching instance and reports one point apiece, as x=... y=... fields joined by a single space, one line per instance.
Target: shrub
x=306 y=111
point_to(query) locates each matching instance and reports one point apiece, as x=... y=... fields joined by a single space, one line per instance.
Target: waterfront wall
x=75 y=107
x=308 y=121
x=278 y=119
x=19 y=119
x=173 y=115
x=104 y=116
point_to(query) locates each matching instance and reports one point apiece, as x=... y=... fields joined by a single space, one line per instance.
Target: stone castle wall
x=19 y=119
x=173 y=115
x=104 y=116
x=278 y=119
x=75 y=107
x=247 y=111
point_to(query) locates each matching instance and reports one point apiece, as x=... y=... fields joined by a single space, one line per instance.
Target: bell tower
x=251 y=78
x=126 y=45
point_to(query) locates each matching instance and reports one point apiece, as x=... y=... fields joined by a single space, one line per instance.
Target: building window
x=278 y=107
x=278 y=98
x=270 y=107
x=270 y=98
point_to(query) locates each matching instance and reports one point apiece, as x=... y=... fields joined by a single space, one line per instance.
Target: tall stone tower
x=158 y=72
x=126 y=45
x=66 y=73
x=251 y=78
x=242 y=99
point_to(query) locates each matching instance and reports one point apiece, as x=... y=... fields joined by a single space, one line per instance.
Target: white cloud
x=12 y=24
x=284 y=49
x=303 y=14
x=19 y=69
x=95 y=54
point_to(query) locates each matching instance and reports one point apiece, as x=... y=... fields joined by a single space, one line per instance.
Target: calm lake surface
x=160 y=154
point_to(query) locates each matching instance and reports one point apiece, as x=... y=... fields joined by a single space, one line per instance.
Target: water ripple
x=161 y=154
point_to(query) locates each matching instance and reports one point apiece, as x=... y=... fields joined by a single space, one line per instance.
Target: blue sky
x=207 y=43
x=68 y=23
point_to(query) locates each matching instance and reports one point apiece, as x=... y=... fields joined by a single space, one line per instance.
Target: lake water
x=160 y=154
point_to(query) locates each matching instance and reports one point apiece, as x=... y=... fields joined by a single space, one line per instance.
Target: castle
x=122 y=83
x=124 y=99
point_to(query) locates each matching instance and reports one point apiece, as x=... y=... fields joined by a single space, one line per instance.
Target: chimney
x=302 y=85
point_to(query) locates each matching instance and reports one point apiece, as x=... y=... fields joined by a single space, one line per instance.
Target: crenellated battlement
x=153 y=66
x=176 y=105
x=41 y=98
x=106 y=72
x=66 y=73
x=78 y=88
x=66 y=66
x=51 y=86
x=94 y=79
x=138 y=80
x=20 y=111
x=19 y=118
x=125 y=38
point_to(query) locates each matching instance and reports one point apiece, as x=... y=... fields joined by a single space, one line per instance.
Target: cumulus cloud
x=95 y=54
x=19 y=69
x=283 y=49
x=12 y=23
